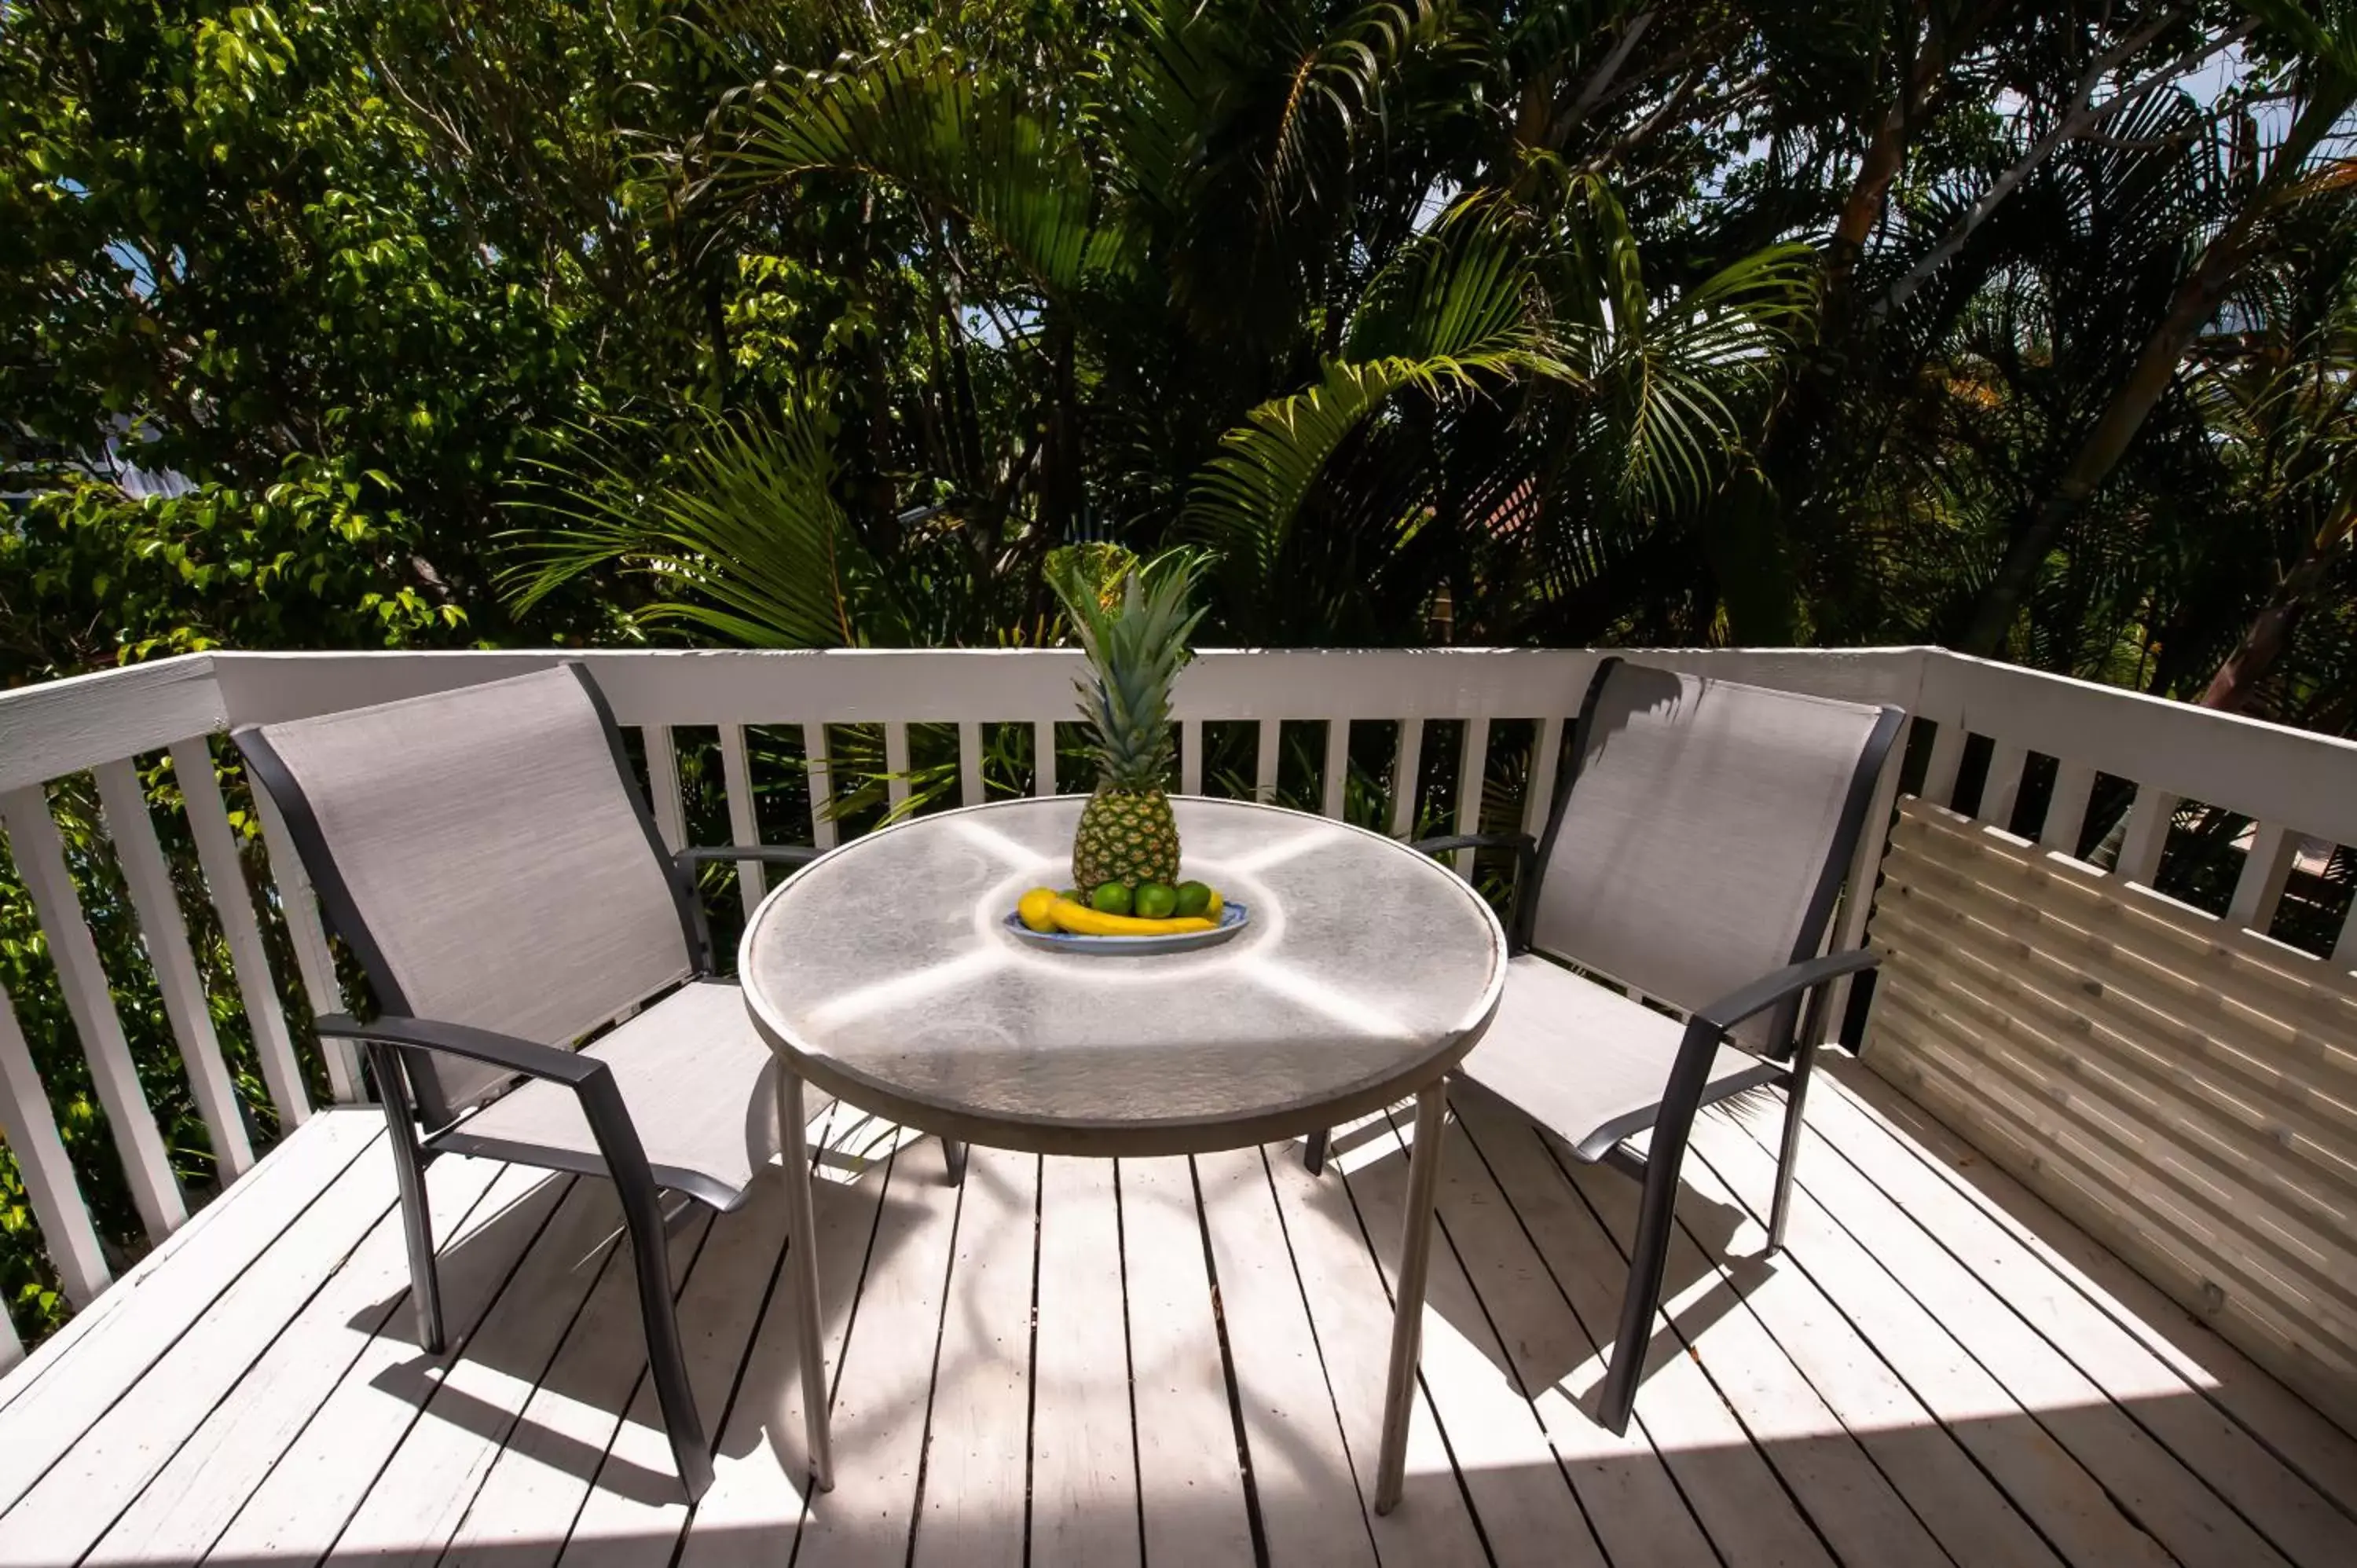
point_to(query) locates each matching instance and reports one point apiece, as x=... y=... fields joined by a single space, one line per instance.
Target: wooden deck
x=1075 y=1362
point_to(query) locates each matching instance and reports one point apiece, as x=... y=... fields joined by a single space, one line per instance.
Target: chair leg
x=409 y=1176
x=650 y=1259
x=1313 y=1152
x=953 y=1157
x=1796 y=1094
x=1655 y=1220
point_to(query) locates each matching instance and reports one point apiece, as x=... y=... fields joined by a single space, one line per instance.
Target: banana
x=1083 y=921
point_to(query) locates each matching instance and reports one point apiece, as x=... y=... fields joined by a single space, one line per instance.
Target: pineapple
x=1127 y=833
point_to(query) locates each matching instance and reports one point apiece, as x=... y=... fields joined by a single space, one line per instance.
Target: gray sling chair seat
x=1700 y=833
x=488 y=857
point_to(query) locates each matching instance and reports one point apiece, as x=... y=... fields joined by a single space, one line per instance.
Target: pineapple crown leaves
x=1136 y=644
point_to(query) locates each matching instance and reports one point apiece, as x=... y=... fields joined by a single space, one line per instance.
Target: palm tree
x=1225 y=288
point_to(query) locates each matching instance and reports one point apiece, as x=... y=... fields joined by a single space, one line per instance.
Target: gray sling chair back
x=1700 y=833
x=488 y=855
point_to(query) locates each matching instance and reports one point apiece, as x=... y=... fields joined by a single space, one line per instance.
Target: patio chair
x=1701 y=830
x=488 y=857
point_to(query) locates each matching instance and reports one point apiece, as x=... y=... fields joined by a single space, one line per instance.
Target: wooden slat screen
x=2184 y=1090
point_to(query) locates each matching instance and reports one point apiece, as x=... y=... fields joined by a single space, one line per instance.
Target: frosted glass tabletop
x=886 y=975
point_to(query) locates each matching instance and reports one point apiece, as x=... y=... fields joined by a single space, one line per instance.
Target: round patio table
x=883 y=973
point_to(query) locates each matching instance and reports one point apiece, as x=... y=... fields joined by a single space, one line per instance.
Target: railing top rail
x=62 y=726
x=1027 y=685
x=2304 y=781
x=2270 y=772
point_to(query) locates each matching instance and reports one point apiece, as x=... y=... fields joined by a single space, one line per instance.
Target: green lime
x=1111 y=898
x=1155 y=901
x=1071 y=895
x=1194 y=898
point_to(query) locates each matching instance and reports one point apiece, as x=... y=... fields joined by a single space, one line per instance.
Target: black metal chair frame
x=1791 y=1057
x=395 y=1039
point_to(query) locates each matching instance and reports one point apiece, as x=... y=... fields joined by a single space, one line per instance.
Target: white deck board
x=303 y=1505
x=110 y=1464
x=136 y=1322
x=1350 y=1309
x=975 y=1472
x=884 y=1373
x=1626 y=1490
x=1734 y=1492
x=182 y=1511
x=1527 y=1508
x=1191 y=1489
x=1084 y=1462
x=1863 y=1112
x=1937 y=1368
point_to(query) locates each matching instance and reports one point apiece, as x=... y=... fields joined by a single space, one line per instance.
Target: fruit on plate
x=1033 y=908
x=1192 y=898
x=1154 y=901
x=1083 y=921
x=1111 y=898
x=1045 y=910
x=1135 y=649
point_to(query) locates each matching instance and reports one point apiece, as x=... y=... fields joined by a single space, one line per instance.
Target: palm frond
x=734 y=530
x=964 y=144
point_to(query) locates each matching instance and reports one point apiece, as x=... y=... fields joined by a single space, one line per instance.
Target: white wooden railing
x=2293 y=785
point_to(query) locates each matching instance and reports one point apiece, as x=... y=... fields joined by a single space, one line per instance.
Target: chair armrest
x=1764 y=992
x=1522 y=844
x=590 y=1079
x=486 y=1045
x=1708 y=1028
x=766 y=853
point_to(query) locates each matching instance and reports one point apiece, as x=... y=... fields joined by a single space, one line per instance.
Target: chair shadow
x=561 y=1242
x=1601 y=1209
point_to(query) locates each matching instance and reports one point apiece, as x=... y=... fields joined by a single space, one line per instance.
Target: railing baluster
x=818 y=765
x=40 y=856
x=31 y=1131
x=1472 y=777
x=662 y=783
x=972 y=789
x=2265 y=868
x=743 y=821
x=164 y=936
x=1043 y=757
x=1407 y=777
x=257 y=992
x=2066 y=813
x=895 y=764
x=12 y=1348
x=314 y=962
x=1337 y=783
x=1190 y=757
x=1947 y=757
x=2148 y=835
x=1272 y=735
x=1546 y=743
x=2002 y=790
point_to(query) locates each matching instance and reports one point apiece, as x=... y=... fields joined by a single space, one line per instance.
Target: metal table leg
x=802 y=1243
x=1407 y=1310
